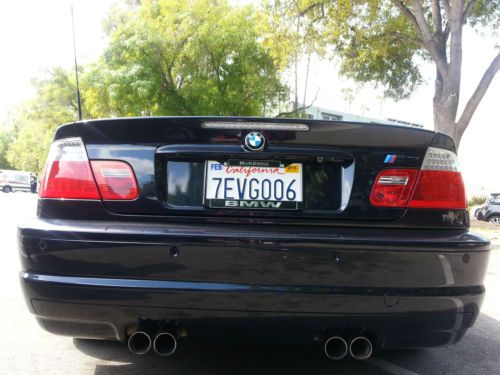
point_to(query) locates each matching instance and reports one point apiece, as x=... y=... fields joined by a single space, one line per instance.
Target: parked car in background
x=490 y=210
x=11 y=180
x=355 y=236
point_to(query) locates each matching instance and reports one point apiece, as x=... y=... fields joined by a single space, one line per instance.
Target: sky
x=36 y=35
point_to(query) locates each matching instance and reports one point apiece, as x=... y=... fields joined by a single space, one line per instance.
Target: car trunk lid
x=339 y=162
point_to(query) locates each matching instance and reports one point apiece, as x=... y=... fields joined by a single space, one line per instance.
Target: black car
x=490 y=210
x=353 y=236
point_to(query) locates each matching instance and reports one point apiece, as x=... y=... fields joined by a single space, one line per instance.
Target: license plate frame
x=242 y=170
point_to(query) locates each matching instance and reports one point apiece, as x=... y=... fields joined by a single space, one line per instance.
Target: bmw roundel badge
x=255 y=141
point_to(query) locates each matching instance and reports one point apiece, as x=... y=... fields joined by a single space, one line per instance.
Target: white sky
x=35 y=35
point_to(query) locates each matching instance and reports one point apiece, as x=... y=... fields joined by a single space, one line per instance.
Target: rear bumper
x=407 y=288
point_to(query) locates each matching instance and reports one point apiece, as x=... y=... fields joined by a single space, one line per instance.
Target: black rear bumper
x=407 y=288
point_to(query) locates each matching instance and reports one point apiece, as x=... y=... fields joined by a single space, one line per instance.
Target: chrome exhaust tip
x=139 y=342
x=361 y=348
x=165 y=344
x=336 y=348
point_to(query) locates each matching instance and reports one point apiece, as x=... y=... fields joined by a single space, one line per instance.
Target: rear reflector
x=393 y=187
x=115 y=179
x=67 y=172
x=440 y=183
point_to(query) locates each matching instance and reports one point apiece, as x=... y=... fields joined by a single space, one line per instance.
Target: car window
x=495 y=199
x=21 y=178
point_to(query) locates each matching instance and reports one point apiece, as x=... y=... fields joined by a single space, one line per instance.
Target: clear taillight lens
x=67 y=172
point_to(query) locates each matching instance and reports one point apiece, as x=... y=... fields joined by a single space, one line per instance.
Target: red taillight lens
x=115 y=179
x=67 y=172
x=439 y=189
x=393 y=187
x=440 y=183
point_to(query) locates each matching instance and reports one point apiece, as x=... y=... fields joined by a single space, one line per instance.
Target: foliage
x=165 y=57
x=174 y=57
x=385 y=41
x=54 y=104
x=6 y=139
x=373 y=39
x=476 y=200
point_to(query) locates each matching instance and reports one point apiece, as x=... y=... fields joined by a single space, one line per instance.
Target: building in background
x=318 y=113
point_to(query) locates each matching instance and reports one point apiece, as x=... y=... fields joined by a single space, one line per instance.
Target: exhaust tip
x=165 y=344
x=139 y=342
x=361 y=348
x=336 y=348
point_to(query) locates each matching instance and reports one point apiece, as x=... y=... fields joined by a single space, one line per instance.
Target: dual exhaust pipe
x=336 y=348
x=164 y=343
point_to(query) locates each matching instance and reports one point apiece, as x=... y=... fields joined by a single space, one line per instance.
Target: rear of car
x=490 y=210
x=353 y=235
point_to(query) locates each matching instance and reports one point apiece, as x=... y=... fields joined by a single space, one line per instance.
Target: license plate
x=253 y=185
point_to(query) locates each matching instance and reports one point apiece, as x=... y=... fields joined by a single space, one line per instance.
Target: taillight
x=70 y=175
x=115 y=179
x=67 y=172
x=393 y=187
x=440 y=183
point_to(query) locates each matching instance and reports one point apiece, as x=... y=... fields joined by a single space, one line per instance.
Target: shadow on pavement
x=477 y=353
x=220 y=358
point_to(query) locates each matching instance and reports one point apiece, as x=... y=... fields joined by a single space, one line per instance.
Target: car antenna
x=76 y=70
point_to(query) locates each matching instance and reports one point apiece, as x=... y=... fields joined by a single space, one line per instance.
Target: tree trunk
x=448 y=76
x=445 y=105
x=446 y=97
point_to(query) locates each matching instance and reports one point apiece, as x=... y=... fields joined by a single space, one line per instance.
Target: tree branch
x=478 y=94
x=297 y=110
x=436 y=18
x=402 y=37
x=468 y=10
x=422 y=22
x=456 y=26
x=427 y=37
x=308 y=8
x=446 y=7
x=407 y=12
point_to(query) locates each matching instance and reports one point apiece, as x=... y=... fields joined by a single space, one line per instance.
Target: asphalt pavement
x=27 y=349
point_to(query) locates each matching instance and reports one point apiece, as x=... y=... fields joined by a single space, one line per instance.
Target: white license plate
x=253 y=184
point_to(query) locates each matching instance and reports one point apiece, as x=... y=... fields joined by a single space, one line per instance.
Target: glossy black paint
x=148 y=144
x=410 y=278
x=251 y=254
x=96 y=210
x=109 y=274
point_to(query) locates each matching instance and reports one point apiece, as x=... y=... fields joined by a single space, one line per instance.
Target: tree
x=289 y=42
x=33 y=127
x=165 y=57
x=348 y=94
x=5 y=140
x=384 y=41
x=174 y=57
